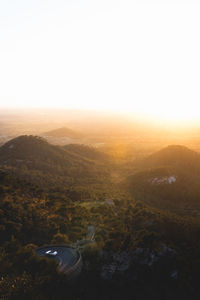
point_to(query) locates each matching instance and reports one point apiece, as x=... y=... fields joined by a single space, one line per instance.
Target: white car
x=51 y=253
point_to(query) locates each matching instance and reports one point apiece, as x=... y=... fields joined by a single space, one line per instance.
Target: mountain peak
x=23 y=142
x=64 y=132
x=173 y=154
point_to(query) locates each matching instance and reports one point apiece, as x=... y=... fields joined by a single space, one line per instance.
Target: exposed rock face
x=121 y=262
x=168 y=180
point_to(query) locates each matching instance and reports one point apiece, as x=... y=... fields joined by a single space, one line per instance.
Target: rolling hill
x=168 y=179
x=64 y=132
x=174 y=155
x=34 y=158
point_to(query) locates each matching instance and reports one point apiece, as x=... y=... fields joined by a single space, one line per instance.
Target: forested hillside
x=169 y=179
x=140 y=250
x=38 y=161
x=86 y=151
x=175 y=155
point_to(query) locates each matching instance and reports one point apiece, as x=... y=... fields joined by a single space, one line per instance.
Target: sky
x=138 y=57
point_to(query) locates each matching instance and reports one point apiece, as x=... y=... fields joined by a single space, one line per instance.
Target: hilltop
x=34 y=158
x=64 y=132
x=30 y=148
x=168 y=179
x=173 y=155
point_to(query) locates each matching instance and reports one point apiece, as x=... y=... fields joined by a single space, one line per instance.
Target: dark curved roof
x=67 y=257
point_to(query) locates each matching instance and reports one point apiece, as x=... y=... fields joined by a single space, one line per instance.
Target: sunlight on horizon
x=135 y=57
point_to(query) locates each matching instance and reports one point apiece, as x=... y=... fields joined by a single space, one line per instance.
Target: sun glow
x=173 y=111
x=126 y=56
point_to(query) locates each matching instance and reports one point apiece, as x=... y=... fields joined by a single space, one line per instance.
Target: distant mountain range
x=168 y=178
x=64 y=132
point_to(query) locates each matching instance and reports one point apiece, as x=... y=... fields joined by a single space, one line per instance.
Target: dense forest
x=176 y=164
x=147 y=226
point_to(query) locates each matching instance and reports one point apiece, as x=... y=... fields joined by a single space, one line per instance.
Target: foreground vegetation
x=51 y=194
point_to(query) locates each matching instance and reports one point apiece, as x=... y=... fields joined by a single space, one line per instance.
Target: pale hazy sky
x=133 y=56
